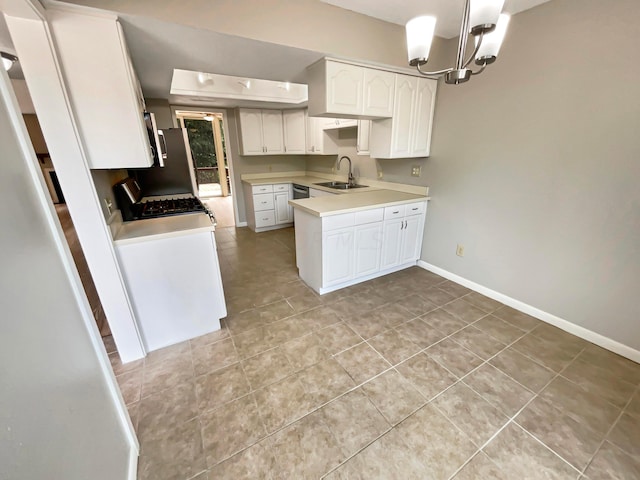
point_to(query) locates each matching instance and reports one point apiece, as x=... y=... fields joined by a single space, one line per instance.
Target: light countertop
x=163 y=227
x=308 y=181
x=337 y=204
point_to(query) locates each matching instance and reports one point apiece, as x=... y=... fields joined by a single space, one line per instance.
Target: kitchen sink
x=340 y=185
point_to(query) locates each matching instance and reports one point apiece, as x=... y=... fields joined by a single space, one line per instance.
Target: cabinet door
x=293 y=122
x=251 y=132
x=379 y=89
x=368 y=244
x=272 y=135
x=284 y=213
x=362 y=144
x=422 y=117
x=392 y=231
x=411 y=239
x=401 y=137
x=311 y=137
x=344 y=88
x=337 y=255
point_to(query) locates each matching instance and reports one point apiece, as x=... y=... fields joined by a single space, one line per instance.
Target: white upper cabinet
x=333 y=123
x=362 y=142
x=103 y=88
x=408 y=133
x=295 y=127
x=261 y=132
x=338 y=88
x=319 y=142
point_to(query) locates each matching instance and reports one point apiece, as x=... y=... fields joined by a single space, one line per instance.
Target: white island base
x=337 y=251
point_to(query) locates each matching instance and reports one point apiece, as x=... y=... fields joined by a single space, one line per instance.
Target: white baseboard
x=133 y=465
x=241 y=224
x=577 y=330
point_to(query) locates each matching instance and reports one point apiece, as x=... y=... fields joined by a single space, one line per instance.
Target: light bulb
x=491 y=42
x=484 y=15
x=419 y=38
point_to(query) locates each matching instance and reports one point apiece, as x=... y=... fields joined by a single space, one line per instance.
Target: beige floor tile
x=377 y=321
x=499 y=329
x=362 y=362
x=430 y=436
x=626 y=435
x=221 y=386
x=617 y=366
x=214 y=356
x=252 y=342
x=427 y=375
x=275 y=311
x=582 y=406
x=109 y=344
x=394 y=346
x=241 y=322
x=483 y=303
x=175 y=454
x=499 y=389
x=454 y=357
x=338 y=337
x=394 y=396
x=480 y=467
x=367 y=299
x=165 y=410
x=465 y=311
x=319 y=317
x=437 y=296
x=304 y=302
x=520 y=456
x=471 y=413
x=443 y=321
x=552 y=355
x=306 y=449
x=420 y=333
x=346 y=307
x=134 y=414
x=354 y=421
x=418 y=305
x=283 y=402
x=255 y=462
x=160 y=376
x=453 y=288
x=130 y=384
x=611 y=463
x=573 y=441
x=266 y=368
x=288 y=329
x=325 y=381
x=517 y=319
x=599 y=381
x=167 y=355
x=475 y=340
x=634 y=405
x=386 y=458
x=119 y=368
x=522 y=369
x=230 y=429
x=555 y=335
x=305 y=351
x=209 y=338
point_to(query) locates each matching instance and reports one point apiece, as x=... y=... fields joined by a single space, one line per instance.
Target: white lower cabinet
x=267 y=206
x=357 y=246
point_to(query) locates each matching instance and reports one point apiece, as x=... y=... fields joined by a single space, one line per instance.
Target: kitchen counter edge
x=163 y=227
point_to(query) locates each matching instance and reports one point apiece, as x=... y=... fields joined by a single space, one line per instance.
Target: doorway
x=205 y=132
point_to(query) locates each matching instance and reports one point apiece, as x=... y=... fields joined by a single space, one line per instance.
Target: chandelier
x=480 y=18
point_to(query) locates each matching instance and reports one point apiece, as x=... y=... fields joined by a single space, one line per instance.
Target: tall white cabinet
x=261 y=132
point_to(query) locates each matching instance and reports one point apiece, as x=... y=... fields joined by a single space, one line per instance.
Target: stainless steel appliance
x=156 y=140
x=300 y=191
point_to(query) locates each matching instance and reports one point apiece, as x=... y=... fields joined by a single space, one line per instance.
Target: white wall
x=57 y=416
x=535 y=167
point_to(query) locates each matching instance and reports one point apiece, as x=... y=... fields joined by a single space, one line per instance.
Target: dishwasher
x=300 y=191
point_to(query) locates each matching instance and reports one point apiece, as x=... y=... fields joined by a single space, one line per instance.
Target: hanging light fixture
x=480 y=18
x=8 y=60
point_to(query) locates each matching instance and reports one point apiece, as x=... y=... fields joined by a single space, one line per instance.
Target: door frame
x=229 y=155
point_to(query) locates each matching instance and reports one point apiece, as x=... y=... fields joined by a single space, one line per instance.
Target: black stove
x=168 y=207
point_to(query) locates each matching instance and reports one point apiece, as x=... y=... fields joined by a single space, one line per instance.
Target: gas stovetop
x=166 y=207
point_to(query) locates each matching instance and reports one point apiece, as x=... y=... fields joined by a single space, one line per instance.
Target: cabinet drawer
x=261 y=189
x=338 y=221
x=414 y=208
x=263 y=202
x=370 y=216
x=282 y=187
x=394 y=212
x=265 y=219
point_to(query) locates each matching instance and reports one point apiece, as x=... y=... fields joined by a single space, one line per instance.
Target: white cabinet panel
x=391 y=243
x=319 y=142
x=284 y=213
x=362 y=143
x=404 y=103
x=344 y=88
x=272 y=132
x=337 y=249
x=263 y=201
x=379 y=88
x=422 y=119
x=251 y=132
x=368 y=245
x=314 y=192
x=294 y=125
x=261 y=189
x=266 y=218
x=412 y=239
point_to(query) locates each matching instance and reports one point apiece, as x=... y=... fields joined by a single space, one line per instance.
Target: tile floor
x=406 y=376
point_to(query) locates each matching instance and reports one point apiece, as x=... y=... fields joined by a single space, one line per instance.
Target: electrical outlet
x=416 y=170
x=460 y=250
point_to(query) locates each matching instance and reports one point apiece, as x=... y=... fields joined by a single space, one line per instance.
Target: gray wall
x=57 y=419
x=535 y=167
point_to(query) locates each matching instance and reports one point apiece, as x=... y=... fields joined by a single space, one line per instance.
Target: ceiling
x=448 y=12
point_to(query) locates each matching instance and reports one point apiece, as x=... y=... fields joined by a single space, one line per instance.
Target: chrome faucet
x=351 y=180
